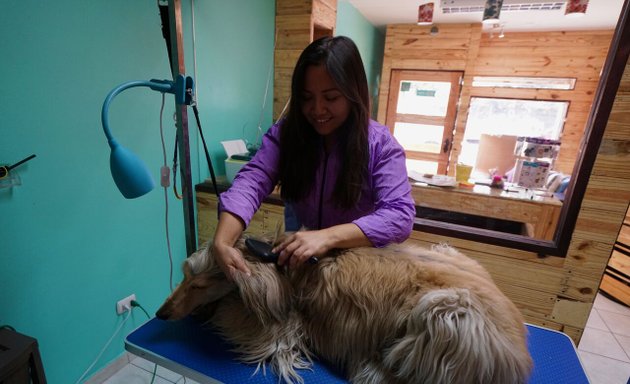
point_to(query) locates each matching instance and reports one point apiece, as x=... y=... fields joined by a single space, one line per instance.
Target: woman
x=341 y=174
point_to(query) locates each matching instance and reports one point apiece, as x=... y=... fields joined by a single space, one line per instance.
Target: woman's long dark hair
x=299 y=142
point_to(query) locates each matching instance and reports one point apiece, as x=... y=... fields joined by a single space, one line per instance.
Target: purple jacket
x=385 y=212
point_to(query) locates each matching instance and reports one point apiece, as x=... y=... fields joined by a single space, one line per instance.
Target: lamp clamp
x=182 y=88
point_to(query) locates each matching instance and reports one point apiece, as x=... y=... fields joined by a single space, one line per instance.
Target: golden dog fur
x=399 y=314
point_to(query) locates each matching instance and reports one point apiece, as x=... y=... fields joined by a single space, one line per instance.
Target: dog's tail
x=450 y=339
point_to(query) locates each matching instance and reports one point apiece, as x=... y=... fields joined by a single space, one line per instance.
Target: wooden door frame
x=449 y=120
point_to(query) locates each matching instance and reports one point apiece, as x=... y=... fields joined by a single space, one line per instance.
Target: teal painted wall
x=369 y=39
x=234 y=43
x=71 y=245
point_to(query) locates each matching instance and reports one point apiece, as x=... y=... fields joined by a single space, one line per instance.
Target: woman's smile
x=323 y=104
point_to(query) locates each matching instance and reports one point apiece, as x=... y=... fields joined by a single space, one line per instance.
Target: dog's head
x=266 y=292
x=203 y=283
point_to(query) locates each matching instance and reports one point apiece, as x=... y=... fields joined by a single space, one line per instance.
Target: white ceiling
x=600 y=14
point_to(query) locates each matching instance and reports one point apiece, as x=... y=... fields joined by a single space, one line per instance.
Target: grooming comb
x=262 y=250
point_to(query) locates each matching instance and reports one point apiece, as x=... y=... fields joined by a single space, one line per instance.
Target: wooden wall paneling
x=609 y=193
x=428 y=239
x=564 y=296
x=570 y=39
x=581 y=94
x=552 y=54
x=599 y=223
x=410 y=46
x=325 y=14
x=532 y=276
x=463 y=47
x=293 y=7
x=298 y=22
x=465 y=94
x=293 y=31
x=273 y=215
x=586 y=256
x=263 y=223
x=574 y=333
x=534 y=307
x=386 y=70
x=207 y=216
x=609 y=164
x=428 y=64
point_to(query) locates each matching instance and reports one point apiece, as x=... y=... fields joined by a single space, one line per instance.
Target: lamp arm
x=180 y=89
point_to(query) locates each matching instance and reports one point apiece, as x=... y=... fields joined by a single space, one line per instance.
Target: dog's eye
x=198 y=286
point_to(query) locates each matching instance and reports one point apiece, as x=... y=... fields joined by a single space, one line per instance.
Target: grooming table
x=185 y=347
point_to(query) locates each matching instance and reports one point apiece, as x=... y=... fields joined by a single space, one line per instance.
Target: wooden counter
x=539 y=214
x=264 y=222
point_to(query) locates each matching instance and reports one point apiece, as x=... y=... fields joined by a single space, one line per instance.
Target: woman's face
x=323 y=104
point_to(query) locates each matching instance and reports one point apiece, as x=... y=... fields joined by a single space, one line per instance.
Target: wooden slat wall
x=578 y=55
x=559 y=292
x=413 y=47
x=296 y=23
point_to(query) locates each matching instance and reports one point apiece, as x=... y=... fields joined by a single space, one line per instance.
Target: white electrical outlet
x=124 y=304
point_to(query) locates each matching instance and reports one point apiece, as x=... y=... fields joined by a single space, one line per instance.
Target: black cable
x=136 y=304
x=166 y=31
x=175 y=165
x=205 y=147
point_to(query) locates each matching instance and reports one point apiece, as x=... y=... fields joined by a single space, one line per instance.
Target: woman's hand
x=230 y=260
x=227 y=257
x=301 y=246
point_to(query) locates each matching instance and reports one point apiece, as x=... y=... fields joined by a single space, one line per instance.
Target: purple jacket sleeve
x=255 y=180
x=393 y=217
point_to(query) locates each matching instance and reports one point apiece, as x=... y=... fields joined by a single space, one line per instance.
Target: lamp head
x=131 y=175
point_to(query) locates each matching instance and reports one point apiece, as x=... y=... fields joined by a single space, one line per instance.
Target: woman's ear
x=266 y=292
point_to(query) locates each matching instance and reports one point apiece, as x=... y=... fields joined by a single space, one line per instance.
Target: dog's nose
x=162 y=314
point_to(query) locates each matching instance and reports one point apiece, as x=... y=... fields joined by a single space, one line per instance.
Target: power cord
x=136 y=304
x=164 y=181
x=106 y=344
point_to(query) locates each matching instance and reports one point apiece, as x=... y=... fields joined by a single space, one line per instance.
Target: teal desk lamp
x=130 y=173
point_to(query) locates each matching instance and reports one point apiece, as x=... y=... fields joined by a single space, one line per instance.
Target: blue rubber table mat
x=196 y=352
x=555 y=358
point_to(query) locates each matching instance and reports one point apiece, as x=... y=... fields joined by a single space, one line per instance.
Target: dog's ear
x=265 y=292
x=186 y=268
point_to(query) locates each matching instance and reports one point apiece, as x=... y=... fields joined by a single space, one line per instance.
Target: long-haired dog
x=399 y=314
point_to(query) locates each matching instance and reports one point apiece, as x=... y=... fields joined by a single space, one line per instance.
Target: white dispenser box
x=232 y=167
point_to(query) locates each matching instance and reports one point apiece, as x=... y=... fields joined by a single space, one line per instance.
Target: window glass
x=524 y=82
x=419 y=137
x=531 y=118
x=427 y=98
